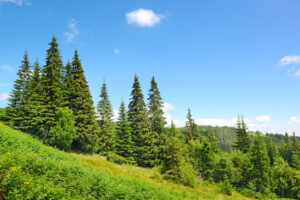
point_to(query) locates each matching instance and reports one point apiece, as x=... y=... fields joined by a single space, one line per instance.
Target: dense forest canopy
x=54 y=103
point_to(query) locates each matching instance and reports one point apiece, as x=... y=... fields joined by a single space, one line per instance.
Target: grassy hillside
x=35 y=171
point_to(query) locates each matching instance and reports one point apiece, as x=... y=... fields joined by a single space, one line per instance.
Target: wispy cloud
x=143 y=17
x=7 y=68
x=4 y=84
x=297 y=73
x=17 y=2
x=263 y=118
x=294 y=120
x=117 y=51
x=288 y=60
x=4 y=96
x=73 y=30
x=292 y=63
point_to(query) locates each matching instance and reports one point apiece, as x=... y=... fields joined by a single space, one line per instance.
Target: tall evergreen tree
x=145 y=151
x=17 y=109
x=243 y=141
x=155 y=109
x=206 y=160
x=52 y=87
x=191 y=127
x=157 y=120
x=124 y=144
x=261 y=165
x=107 y=137
x=213 y=141
x=83 y=109
x=35 y=101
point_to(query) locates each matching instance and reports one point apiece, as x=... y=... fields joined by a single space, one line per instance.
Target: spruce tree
x=83 y=110
x=213 y=141
x=157 y=120
x=52 y=87
x=243 y=141
x=107 y=138
x=17 y=109
x=145 y=151
x=155 y=109
x=206 y=160
x=35 y=101
x=261 y=165
x=124 y=144
x=191 y=127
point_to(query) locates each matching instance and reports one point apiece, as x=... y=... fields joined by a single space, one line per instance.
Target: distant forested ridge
x=227 y=135
x=52 y=102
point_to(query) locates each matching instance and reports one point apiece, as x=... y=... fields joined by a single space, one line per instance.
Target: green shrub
x=3 y=116
x=63 y=133
x=115 y=158
x=225 y=186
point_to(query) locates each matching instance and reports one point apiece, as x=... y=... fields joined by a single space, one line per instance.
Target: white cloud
x=4 y=84
x=294 y=120
x=168 y=106
x=116 y=115
x=17 y=2
x=4 y=96
x=73 y=31
x=143 y=17
x=288 y=60
x=117 y=51
x=297 y=73
x=263 y=118
x=8 y=68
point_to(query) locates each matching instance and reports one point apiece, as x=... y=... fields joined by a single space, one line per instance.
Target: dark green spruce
x=145 y=151
x=107 y=137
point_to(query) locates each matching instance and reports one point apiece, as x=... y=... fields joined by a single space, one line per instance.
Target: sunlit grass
x=201 y=191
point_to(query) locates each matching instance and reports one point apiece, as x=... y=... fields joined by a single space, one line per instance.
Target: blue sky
x=220 y=58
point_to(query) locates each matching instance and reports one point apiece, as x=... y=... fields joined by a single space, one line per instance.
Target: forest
x=53 y=103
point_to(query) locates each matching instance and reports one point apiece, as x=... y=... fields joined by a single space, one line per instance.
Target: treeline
x=54 y=103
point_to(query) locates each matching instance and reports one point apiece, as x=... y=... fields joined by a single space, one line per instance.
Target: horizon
x=225 y=61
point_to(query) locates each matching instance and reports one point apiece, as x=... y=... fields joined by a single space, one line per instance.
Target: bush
x=115 y=158
x=3 y=116
x=63 y=133
x=226 y=187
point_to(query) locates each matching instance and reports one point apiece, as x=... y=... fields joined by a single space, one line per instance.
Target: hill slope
x=36 y=171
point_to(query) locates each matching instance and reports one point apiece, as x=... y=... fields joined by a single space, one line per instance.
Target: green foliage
x=191 y=127
x=225 y=186
x=261 y=166
x=107 y=137
x=243 y=141
x=157 y=120
x=221 y=171
x=175 y=165
x=115 y=158
x=63 y=133
x=83 y=110
x=3 y=115
x=286 y=181
x=17 y=111
x=144 y=139
x=124 y=144
x=34 y=171
x=51 y=87
x=213 y=141
x=35 y=102
x=206 y=160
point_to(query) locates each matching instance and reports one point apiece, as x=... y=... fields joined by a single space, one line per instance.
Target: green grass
x=36 y=171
